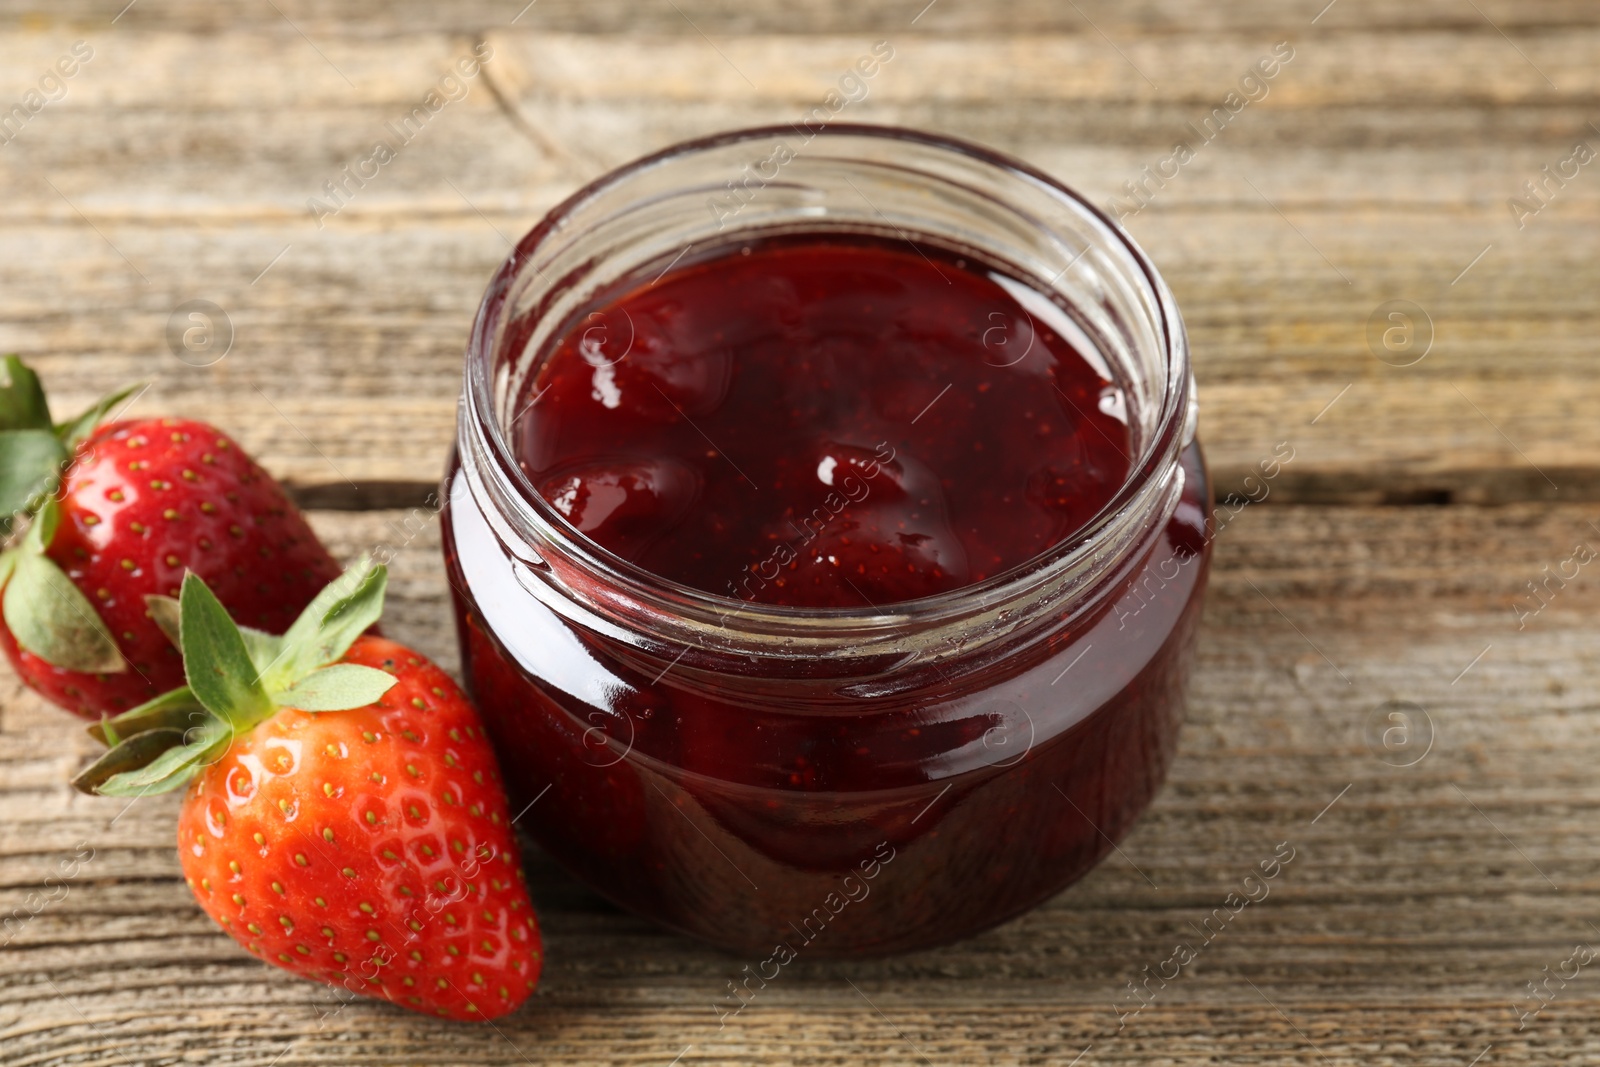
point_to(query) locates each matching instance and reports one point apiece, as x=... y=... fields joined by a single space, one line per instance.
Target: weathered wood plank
x=1420 y=903
x=1405 y=927
x=818 y=16
x=376 y=303
x=337 y=400
x=1377 y=169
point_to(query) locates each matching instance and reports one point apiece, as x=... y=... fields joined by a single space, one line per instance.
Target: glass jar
x=1008 y=732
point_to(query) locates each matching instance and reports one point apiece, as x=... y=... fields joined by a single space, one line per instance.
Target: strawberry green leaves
x=170 y=767
x=140 y=738
x=215 y=659
x=331 y=623
x=238 y=678
x=243 y=675
x=337 y=688
x=230 y=678
x=31 y=455
x=265 y=649
x=75 y=431
x=177 y=710
x=301 y=677
x=22 y=402
x=127 y=758
x=35 y=452
x=31 y=462
x=47 y=614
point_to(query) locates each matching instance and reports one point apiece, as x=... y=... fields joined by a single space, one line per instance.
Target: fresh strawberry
x=121 y=512
x=369 y=848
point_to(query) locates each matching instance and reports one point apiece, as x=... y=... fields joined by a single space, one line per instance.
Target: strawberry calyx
x=46 y=613
x=238 y=678
x=34 y=450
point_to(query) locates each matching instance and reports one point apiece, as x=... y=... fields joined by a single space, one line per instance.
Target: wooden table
x=1391 y=562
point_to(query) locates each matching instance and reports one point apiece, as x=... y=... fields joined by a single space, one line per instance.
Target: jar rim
x=661 y=596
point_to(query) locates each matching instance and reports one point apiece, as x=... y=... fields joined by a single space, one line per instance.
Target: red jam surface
x=845 y=398
x=826 y=423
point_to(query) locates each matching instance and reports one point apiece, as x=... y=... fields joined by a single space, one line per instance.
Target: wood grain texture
x=1415 y=909
x=618 y=17
x=178 y=166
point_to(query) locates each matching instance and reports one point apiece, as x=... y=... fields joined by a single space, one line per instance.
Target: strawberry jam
x=827 y=564
x=825 y=422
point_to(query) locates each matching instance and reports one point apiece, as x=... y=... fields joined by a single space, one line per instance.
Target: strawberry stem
x=238 y=679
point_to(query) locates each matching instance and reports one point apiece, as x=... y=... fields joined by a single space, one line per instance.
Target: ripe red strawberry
x=141 y=503
x=345 y=819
